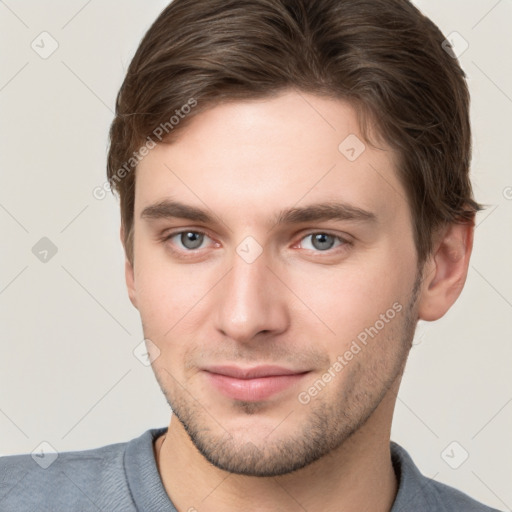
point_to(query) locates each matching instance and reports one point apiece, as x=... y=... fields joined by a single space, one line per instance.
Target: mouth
x=252 y=384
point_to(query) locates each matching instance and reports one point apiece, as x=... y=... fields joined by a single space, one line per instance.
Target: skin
x=298 y=304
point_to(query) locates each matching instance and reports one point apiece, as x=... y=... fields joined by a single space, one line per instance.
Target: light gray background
x=68 y=375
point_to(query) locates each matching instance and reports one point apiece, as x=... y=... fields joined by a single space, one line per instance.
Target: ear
x=128 y=272
x=445 y=272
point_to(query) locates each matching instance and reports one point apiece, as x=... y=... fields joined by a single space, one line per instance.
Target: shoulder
x=419 y=493
x=454 y=499
x=51 y=481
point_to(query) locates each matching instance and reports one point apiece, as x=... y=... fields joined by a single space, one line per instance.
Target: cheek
x=344 y=301
x=158 y=290
x=169 y=296
x=163 y=307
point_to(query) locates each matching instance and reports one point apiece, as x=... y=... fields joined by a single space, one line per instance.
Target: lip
x=252 y=384
x=251 y=373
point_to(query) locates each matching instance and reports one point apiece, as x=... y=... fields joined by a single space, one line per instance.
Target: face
x=263 y=236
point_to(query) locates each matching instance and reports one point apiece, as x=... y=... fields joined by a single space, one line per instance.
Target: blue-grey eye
x=321 y=241
x=191 y=239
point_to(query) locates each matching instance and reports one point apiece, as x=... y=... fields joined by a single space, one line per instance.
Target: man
x=294 y=186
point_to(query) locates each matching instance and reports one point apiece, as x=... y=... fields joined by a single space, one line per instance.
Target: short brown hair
x=383 y=56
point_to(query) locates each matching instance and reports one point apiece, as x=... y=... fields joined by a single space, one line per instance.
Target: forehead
x=255 y=157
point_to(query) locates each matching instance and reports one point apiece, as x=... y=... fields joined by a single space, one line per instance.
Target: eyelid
x=170 y=234
x=345 y=241
x=345 y=237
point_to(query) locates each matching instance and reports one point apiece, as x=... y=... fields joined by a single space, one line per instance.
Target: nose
x=251 y=301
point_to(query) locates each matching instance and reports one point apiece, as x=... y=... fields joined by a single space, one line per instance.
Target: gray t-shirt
x=124 y=477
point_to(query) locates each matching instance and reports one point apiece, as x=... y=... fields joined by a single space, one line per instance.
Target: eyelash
x=344 y=245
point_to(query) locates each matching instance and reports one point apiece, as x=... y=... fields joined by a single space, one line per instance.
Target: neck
x=356 y=476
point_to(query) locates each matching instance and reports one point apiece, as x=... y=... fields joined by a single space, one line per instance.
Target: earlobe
x=446 y=271
x=129 y=273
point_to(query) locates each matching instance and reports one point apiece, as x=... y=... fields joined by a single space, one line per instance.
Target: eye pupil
x=191 y=239
x=323 y=241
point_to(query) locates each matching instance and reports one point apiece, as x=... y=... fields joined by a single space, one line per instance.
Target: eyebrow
x=167 y=209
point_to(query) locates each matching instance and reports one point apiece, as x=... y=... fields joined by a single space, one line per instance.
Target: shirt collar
x=148 y=492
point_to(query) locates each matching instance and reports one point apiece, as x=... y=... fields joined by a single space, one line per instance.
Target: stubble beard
x=327 y=425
